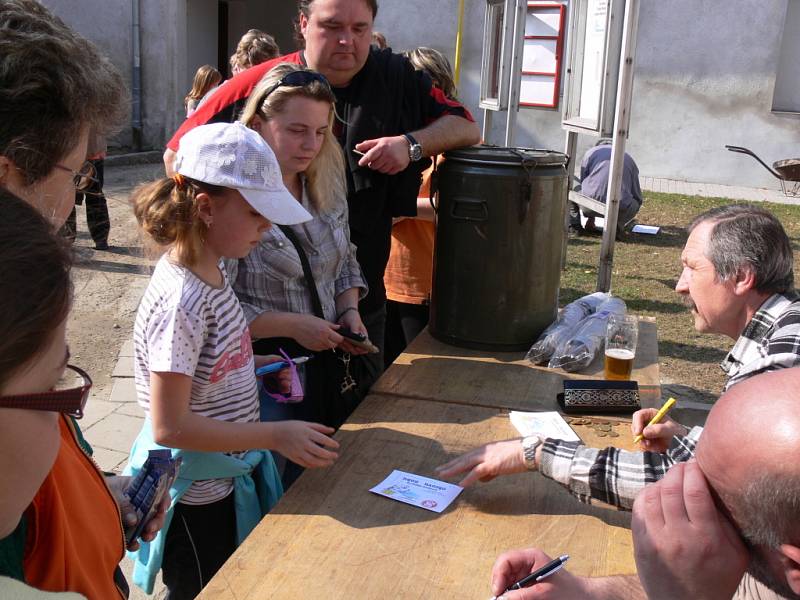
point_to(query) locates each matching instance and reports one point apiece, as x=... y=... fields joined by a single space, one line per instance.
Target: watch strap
x=529 y=446
x=415 y=152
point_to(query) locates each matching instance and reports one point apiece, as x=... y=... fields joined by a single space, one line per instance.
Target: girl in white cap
x=194 y=365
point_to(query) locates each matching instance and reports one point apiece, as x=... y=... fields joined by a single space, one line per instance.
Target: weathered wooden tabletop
x=432 y=370
x=329 y=537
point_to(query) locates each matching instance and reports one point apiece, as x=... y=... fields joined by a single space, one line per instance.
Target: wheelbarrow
x=786 y=170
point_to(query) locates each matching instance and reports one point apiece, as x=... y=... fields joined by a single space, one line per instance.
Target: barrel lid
x=489 y=154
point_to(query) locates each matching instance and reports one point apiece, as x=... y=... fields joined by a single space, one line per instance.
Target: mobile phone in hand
x=358 y=339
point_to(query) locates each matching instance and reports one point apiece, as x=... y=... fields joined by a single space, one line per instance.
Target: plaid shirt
x=770 y=341
x=611 y=475
x=271 y=278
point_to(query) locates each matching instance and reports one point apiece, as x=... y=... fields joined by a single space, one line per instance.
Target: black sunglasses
x=69 y=401
x=296 y=79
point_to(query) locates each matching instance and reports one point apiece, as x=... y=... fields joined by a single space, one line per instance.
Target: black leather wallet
x=599 y=396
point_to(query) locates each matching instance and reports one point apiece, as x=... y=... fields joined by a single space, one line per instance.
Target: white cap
x=234 y=156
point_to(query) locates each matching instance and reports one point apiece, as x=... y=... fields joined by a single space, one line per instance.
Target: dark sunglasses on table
x=82 y=178
x=68 y=396
x=295 y=79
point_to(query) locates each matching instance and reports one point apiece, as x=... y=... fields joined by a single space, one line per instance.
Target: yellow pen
x=658 y=416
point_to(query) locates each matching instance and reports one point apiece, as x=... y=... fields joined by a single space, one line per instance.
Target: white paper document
x=649 y=229
x=416 y=490
x=547 y=424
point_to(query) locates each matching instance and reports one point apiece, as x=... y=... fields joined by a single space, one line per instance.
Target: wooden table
x=329 y=537
x=432 y=370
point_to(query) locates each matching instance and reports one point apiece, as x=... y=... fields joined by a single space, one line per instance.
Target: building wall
x=705 y=74
x=163 y=55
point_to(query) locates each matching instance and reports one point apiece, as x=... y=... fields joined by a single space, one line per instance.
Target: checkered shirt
x=770 y=341
x=611 y=476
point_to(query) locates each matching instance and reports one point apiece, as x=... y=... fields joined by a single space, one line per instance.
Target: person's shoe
x=101 y=246
x=591 y=228
x=574 y=231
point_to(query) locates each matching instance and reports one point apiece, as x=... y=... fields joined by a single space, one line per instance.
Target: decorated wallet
x=599 y=396
x=147 y=489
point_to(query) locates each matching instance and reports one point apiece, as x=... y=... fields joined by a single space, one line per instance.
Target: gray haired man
x=738 y=280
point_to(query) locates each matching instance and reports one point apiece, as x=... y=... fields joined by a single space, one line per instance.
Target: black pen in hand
x=549 y=569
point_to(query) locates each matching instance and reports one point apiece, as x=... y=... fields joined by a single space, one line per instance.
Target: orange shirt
x=75 y=539
x=409 y=272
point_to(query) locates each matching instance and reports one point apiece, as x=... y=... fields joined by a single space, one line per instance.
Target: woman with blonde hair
x=205 y=80
x=302 y=284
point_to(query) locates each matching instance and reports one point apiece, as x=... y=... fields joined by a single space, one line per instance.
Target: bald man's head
x=750 y=455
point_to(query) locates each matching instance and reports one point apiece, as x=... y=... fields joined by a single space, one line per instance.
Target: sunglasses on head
x=296 y=79
x=69 y=400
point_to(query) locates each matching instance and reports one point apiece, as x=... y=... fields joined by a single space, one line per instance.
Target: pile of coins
x=601 y=428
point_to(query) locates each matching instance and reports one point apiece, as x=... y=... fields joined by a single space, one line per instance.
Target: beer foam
x=620 y=353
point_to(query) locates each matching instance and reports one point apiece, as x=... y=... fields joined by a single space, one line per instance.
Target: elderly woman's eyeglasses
x=82 y=178
x=68 y=396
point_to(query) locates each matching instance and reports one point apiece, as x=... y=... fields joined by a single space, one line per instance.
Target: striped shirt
x=186 y=326
x=770 y=341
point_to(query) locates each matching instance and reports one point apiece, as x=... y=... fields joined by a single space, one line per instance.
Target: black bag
x=329 y=396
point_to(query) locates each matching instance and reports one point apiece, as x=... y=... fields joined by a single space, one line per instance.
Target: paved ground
x=108 y=286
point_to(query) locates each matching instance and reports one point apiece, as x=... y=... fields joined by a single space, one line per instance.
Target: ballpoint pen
x=550 y=568
x=277 y=366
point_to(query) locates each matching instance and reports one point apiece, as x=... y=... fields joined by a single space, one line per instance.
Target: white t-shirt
x=186 y=326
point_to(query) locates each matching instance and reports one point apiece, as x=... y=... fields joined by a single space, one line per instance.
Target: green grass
x=646 y=269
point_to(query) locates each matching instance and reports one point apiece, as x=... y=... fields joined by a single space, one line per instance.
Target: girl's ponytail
x=166 y=210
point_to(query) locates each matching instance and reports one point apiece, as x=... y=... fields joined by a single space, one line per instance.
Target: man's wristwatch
x=529 y=446
x=414 y=148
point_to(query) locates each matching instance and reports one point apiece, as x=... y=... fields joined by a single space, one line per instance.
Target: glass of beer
x=621 y=335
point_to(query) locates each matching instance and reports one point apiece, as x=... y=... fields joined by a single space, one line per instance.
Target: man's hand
x=118 y=484
x=516 y=564
x=656 y=437
x=684 y=547
x=486 y=463
x=387 y=155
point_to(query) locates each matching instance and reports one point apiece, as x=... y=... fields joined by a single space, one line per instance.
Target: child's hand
x=282 y=380
x=306 y=443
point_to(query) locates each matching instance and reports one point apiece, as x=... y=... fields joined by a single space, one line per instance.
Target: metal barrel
x=497 y=259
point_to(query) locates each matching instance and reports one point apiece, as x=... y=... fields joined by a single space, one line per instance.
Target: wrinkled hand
x=316 y=334
x=282 y=378
x=512 y=566
x=352 y=320
x=306 y=444
x=656 y=437
x=387 y=155
x=118 y=484
x=684 y=547
x=486 y=463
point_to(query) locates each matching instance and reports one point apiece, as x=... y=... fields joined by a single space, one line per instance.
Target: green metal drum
x=497 y=262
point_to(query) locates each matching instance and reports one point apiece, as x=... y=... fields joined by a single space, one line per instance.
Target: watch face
x=415 y=152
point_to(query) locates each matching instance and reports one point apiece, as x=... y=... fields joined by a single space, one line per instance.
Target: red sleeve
x=441 y=105
x=224 y=98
